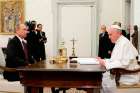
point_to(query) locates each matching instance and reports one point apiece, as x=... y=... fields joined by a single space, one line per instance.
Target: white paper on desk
x=86 y=60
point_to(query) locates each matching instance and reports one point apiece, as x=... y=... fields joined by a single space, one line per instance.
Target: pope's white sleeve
x=116 y=64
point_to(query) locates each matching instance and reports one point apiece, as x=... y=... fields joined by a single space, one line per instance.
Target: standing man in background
x=128 y=32
x=32 y=41
x=41 y=40
x=105 y=45
x=135 y=37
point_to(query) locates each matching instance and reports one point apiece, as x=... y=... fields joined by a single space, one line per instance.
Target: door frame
x=56 y=8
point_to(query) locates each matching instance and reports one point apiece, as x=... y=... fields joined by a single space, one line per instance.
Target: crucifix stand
x=73 y=49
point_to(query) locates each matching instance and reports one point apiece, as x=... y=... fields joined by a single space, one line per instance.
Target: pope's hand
x=101 y=61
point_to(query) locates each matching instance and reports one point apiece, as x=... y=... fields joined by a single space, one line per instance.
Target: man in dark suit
x=32 y=41
x=105 y=45
x=41 y=40
x=135 y=37
x=17 y=53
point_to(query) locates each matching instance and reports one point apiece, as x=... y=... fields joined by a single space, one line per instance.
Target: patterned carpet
x=72 y=90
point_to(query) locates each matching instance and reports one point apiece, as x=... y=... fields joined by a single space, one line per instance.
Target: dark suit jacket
x=41 y=44
x=135 y=39
x=15 y=57
x=32 y=42
x=105 y=45
x=123 y=33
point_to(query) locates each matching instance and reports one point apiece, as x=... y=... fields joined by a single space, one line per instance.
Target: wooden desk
x=62 y=75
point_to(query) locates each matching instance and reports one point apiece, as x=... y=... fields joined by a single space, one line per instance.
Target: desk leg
x=25 y=89
x=33 y=90
x=95 y=90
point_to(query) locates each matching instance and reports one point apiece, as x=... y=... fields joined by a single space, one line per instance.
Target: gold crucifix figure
x=73 y=50
x=73 y=47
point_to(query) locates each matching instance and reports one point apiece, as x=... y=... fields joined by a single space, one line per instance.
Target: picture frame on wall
x=11 y=14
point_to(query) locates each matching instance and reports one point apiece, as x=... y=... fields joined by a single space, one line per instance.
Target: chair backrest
x=3 y=62
x=6 y=86
x=2 y=58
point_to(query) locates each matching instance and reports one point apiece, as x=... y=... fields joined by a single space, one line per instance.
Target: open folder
x=86 y=60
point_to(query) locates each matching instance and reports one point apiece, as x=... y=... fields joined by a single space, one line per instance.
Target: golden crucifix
x=73 y=47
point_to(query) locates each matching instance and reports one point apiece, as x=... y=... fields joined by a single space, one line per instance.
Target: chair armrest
x=121 y=71
x=8 y=69
x=124 y=71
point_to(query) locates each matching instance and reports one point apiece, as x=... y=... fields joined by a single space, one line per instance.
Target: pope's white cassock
x=123 y=56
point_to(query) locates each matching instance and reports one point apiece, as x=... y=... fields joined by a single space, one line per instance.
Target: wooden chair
x=5 y=85
x=122 y=71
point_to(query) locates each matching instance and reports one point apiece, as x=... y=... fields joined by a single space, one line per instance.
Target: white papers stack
x=86 y=60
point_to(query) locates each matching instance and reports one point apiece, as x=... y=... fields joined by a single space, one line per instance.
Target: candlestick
x=73 y=49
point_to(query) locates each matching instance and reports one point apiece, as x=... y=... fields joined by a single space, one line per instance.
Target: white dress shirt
x=21 y=40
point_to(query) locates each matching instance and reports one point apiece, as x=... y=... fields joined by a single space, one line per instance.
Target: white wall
x=137 y=16
x=110 y=11
x=41 y=11
x=137 y=12
x=4 y=40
